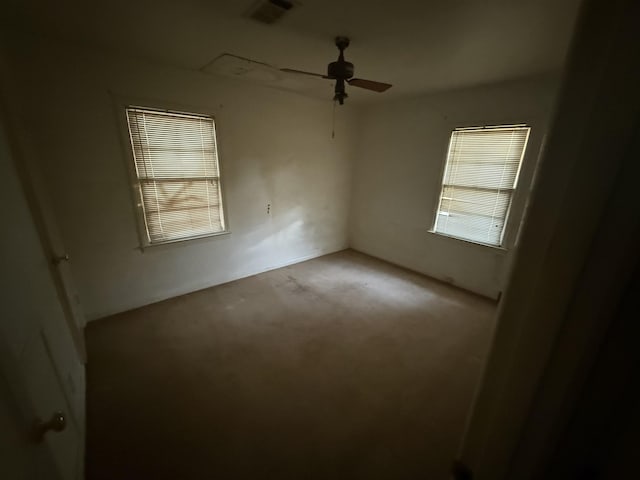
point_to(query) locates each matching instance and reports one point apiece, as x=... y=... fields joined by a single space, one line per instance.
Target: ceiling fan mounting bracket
x=342 y=42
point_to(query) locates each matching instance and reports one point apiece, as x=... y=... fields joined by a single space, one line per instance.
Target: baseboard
x=445 y=280
x=195 y=288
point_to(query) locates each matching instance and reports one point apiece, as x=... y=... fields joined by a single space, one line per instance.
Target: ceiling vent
x=269 y=11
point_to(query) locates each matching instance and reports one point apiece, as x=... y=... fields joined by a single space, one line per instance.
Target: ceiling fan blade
x=369 y=84
x=302 y=72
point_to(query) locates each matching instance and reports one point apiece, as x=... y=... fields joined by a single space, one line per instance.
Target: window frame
x=121 y=104
x=508 y=232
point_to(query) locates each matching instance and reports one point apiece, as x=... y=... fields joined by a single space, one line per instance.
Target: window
x=478 y=183
x=178 y=179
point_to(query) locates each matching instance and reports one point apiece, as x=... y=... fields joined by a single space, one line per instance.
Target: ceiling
x=418 y=46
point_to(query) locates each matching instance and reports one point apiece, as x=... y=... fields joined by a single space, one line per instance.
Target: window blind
x=479 y=180
x=176 y=164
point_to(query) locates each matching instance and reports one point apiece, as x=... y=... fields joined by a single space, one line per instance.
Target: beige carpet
x=342 y=367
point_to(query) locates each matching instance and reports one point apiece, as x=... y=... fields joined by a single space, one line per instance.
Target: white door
x=39 y=365
x=19 y=132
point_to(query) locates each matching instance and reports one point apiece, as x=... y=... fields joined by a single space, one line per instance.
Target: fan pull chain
x=333 y=121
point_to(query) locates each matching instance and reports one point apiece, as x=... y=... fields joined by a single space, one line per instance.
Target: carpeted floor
x=342 y=367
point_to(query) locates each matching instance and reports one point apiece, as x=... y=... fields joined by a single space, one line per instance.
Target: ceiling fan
x=342 y=72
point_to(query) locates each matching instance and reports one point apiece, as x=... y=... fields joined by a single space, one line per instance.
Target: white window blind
x=176 y=164
x=479 y=180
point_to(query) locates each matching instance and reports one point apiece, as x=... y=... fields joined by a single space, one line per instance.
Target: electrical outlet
x=268 y=209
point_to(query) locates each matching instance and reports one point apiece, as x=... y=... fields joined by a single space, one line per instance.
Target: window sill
x=496 y=248
x=182 y=240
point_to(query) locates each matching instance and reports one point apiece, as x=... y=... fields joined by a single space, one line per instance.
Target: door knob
x=60 y=258
x=56 y=423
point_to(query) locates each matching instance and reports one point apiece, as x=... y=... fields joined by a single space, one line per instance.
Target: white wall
x=398 y=170
x=275 y=148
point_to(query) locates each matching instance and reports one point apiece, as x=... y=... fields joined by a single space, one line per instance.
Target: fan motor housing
x=340 y=70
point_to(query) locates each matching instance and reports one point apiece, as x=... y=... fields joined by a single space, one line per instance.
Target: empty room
x=268 y=239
